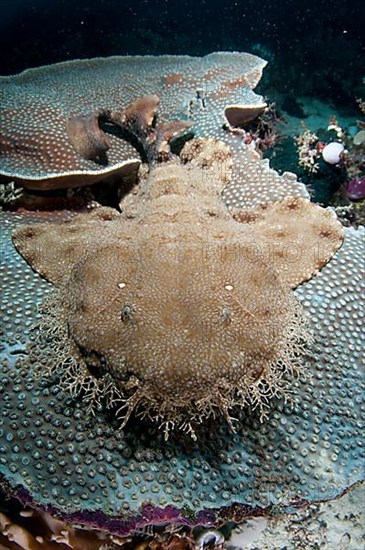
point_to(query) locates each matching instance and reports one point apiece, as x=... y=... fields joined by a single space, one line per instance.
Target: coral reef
x=39 y=132
x=73 y=463
x=239 y=115
x=83 y=467
x=355 y=188
x=260 y=131
x=333 y=163
x=307 y=151
x=173 y=307
x=31 y=530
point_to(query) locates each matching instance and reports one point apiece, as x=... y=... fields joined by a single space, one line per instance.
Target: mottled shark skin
x=87 y=470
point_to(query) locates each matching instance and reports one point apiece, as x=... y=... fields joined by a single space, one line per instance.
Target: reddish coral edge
x=151 y=515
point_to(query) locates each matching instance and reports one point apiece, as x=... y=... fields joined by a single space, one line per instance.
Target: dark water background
x=315 y=48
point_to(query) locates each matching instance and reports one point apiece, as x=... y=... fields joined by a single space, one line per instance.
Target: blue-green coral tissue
x=54 y=455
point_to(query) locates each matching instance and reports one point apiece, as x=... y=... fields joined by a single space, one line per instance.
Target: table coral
x=37 y=106
x=87 y=469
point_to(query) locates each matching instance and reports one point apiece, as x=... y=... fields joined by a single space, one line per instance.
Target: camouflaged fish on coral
x=185 y=307
x=176 y=309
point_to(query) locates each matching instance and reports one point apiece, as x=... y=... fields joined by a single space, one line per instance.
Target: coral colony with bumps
x=334 y=163
x=194 y=354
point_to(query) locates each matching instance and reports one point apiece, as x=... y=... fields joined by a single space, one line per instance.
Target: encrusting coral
x=84 y=468
x=178 y=311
